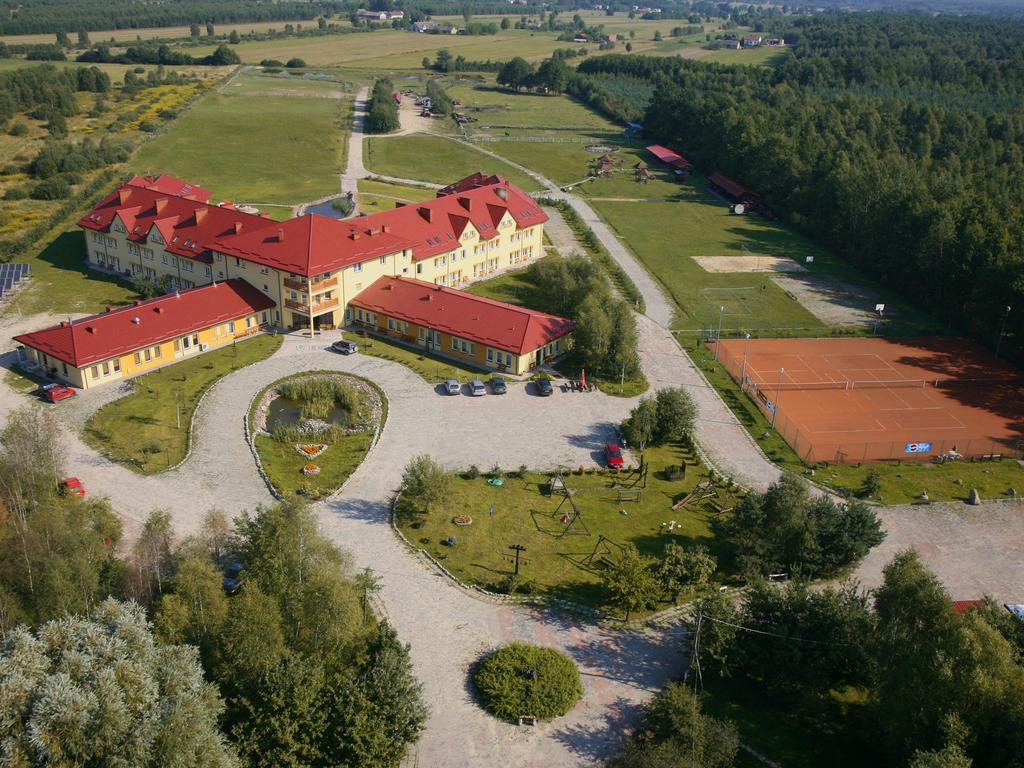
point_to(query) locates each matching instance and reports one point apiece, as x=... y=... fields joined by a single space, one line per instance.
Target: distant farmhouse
x=362 y=13
x=232 y=273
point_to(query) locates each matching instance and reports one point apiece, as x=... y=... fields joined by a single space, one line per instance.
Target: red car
x=56 y=392
x=613 y=456
x=71 y=486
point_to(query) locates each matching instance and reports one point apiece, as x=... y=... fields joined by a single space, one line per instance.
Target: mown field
x=435 y=159
x=264 y=149
x=382 y=196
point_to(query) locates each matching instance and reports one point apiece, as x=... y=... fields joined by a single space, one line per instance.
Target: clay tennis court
x=848 y=400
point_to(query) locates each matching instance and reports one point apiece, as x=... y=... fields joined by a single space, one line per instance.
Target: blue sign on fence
x=918 y=448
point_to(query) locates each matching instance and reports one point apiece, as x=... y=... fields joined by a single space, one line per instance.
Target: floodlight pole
x=778 y=392
x=743 y=370
x=1002 y=330
x=718 y=344
x=518 y=548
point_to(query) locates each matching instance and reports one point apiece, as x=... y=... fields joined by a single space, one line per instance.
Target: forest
x=894 y=140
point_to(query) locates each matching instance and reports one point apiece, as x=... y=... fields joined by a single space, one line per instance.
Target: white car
x=477 y=388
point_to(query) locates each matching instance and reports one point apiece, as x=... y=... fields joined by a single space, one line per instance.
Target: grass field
x=435 y=159
x=150 y=33
x=266 y=149
x=494 y=106
x=523 y=514
x=142 y=430
x=760 y=57
x=381 y=195
x=252 y=83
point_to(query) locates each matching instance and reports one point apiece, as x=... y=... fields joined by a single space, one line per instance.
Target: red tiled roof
x=668 y=157
x=145 y=323
x=730 y=186
x=312 y=244
x=187 y=226
x=486 y=321
x=963 y=606
x=171 y=185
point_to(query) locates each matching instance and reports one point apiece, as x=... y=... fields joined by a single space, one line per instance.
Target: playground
x=572 y=529
x=869 y=399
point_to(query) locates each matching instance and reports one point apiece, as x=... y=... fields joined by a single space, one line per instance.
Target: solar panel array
x=10 y=276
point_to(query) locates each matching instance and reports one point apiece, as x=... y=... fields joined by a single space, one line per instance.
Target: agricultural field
x=760 y=57
x=314 y=85
x=157 y=33
x=300 y=140
x=559 y=563
x=435 y=159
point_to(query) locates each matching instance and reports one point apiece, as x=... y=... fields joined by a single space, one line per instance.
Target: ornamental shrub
x=523 y=679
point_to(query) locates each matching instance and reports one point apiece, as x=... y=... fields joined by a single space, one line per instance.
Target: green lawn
x=435 y=159
x=494 y=106
x=431 y=368
x=142 y=430
x=61 y=281
x=284 y=84
x=761 y=57
x=524 y=514
x=664 y=236
x=377 y=196
x=267 y=149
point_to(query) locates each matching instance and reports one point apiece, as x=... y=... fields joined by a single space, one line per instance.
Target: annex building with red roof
x=145 y=335
x=489 y=333
x=308 y=269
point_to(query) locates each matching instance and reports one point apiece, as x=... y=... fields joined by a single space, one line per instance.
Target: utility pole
x=622 y=381
x=1002 y=330
x=743 y=371
x=778 y=392
x=718 y=343
x=518 y=548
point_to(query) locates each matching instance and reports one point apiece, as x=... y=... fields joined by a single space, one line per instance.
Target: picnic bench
x=627 y=494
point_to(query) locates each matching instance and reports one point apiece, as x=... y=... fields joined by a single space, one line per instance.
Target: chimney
x=237 y=227
x=158 y=310
x=466 y=203
x=424 y=212
x=354 y=234
x=280 y=234
x=502 y=192
x=138 y=302
x=64 y=323
x=386 y=228
x=200 y=214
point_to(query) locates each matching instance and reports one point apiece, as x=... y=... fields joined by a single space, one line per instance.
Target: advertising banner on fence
x=918 y=448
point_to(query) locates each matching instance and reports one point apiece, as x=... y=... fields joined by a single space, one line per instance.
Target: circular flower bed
x=527 y=680
x=462 y=520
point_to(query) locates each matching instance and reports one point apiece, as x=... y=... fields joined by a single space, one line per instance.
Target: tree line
x=381 y=109
x=894 y=140
x=281 y=663
x=158 y=53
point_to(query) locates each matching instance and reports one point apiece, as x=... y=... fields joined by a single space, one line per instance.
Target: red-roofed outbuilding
x=474 y=329
x=134 y=339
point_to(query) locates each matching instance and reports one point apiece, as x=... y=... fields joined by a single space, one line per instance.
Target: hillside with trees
x=894 y=140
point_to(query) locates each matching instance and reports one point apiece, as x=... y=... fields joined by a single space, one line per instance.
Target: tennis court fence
x=848 y=452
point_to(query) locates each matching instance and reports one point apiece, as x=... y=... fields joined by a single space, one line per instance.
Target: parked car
x=452 y=387
x=56 y=392
x=544 y=388
x=477 y=388
x=231 y=582
x=345 y=347
x=498 y=386
x=613 y=456
x=71 y=486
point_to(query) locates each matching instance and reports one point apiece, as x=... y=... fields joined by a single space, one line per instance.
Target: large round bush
x=523 y=679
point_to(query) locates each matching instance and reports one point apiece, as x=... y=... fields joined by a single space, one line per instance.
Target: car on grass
x=477 y=388
x=71 y=486
x=54 y=393
x=498 y=385
x=452 y=386
x=345 y=347
x=613 y=456
x=544 y=388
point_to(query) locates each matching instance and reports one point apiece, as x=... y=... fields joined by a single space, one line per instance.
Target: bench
x=628 y=495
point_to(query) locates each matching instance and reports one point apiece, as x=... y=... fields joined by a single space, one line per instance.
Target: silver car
x=452 y=386
x=477 y=388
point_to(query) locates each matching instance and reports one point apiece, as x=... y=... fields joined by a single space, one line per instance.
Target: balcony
x=300 y=285
x=302 y=307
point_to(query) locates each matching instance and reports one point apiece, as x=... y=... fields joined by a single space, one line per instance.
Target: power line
x=775 y=634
